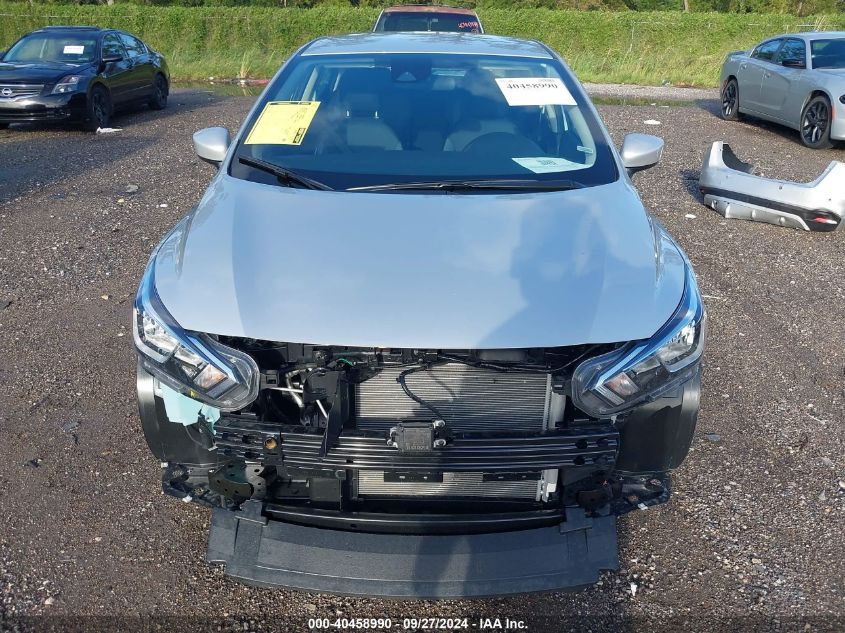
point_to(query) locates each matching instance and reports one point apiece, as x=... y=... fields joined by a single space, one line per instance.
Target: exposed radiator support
x=471 y=399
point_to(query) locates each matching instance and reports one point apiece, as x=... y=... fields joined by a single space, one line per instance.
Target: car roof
x=425 y=42
x=809 y=35
x=71 y=28
x=428 y=8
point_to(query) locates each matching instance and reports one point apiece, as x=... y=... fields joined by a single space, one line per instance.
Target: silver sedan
x=797 y=80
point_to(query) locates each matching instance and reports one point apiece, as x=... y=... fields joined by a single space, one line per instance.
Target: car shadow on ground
x=35 y=155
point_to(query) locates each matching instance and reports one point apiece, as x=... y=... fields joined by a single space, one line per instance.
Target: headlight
x=842 y=99
x=67 y=84
x=644 y=370
x=189 y=362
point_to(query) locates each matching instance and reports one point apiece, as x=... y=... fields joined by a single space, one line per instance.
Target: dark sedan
x=79 y=74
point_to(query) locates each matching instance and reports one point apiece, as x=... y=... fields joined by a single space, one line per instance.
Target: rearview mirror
x=211 y=143
x=794 y=63
x=641 y=151
x=108 y=59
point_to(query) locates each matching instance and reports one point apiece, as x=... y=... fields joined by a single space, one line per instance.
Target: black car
x=79 y=74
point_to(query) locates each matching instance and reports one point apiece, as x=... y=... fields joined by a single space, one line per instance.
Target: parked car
x=79 y=74
x=419 y=337
x=428 y=17
x=797 y=80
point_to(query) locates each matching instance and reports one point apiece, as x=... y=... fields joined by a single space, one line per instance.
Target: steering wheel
x=504 y=143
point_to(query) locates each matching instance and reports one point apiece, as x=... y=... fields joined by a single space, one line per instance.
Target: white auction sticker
x=535 y=91
x=547 y=164
x=74 y=50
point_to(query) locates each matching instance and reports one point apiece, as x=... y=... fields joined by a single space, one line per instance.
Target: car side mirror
x=108 y=59
x=794 y=63
x=641 y=151
x=211 y=144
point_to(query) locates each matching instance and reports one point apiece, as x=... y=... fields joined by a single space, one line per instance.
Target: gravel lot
x=752 y=539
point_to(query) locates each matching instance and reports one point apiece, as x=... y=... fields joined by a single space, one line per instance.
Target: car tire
x=160 y=91
x=815 y=123
x=98 y=109
x=3 y=126
x=729 y=108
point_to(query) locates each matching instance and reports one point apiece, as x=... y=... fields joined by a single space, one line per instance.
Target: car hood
x=42 y=73
x=420 y=271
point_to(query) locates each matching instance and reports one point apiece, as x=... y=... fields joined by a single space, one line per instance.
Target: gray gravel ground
x=751 y=540
x=662 y=93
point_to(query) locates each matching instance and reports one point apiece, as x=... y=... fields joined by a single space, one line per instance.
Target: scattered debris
x=691 y=216
x=827 y=462
x=713 y=437
x=34 y=463
x=104 y=297
x=311 y=608
x=109 y=130
x=634 y=588
x=823 y=496
x=842 y=486
x=131 y=188
x=50 y=601
x=5 y=303
x=162 y=206
x=651 y=122
x=71 y=426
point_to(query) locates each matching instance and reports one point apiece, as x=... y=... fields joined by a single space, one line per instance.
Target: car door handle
x=743 y=66
x=767 y=74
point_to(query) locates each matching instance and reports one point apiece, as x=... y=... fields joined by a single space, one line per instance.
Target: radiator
x=470 y=399
x=371 y=483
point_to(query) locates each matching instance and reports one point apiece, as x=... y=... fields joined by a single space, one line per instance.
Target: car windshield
x=53 y=47
x=427 y=21
x=828 y=53
x=352 y=121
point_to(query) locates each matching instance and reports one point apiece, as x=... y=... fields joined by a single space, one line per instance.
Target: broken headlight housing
x=645 y=370
x=190 y=362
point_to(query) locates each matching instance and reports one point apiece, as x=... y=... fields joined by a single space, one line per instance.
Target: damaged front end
x=732 y=189
x=416 y=472
x=409 y=455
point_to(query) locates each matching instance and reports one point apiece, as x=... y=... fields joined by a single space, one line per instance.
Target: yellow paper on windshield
x=283 y=123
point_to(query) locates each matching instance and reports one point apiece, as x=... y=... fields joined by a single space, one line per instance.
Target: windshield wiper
x=477 y=185
x=285 y=176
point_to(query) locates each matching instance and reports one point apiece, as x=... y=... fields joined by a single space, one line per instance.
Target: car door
x=750 y=73
x=142 y=72
x=116 y=68
x=782 y=77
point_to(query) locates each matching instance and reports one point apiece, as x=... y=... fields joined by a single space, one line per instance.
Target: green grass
x=624 y=46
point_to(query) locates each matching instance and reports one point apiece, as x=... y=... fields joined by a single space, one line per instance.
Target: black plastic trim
x=262 y=552
x=415 y=523
x=806 y=215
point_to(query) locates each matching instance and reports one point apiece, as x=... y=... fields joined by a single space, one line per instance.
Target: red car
x=427 y=17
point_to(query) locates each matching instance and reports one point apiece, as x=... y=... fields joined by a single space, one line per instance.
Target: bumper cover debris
x=731 y=188
x=262 y=552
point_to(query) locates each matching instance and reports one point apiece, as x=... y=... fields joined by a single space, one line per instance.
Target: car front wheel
x=815 y=123
x=99 y=109
x=159 y=99
x=730 y=100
